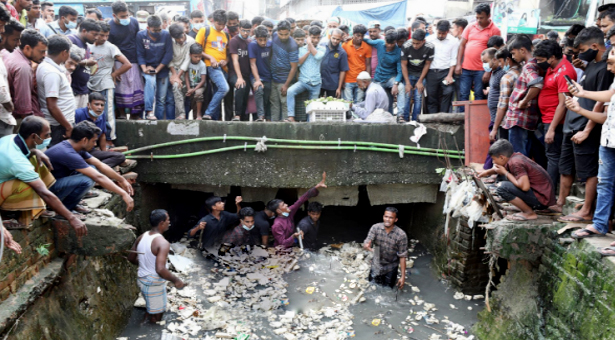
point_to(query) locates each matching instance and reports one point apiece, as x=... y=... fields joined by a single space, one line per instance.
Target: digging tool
x=201 y=239
x=299 y=237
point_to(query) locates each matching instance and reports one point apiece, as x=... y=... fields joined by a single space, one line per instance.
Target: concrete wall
x=282 y=168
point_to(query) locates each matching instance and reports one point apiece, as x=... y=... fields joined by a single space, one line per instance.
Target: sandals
x=260 y=119
x=290 y=120
x=548 y=212
x=589 y=232
x=235 y=119
x=573 y=219
x=151 y=116
x=91 y=194
x=82 y=210
x=602 y=251
x=400 y=119
x=181 y=117
x=206 y=117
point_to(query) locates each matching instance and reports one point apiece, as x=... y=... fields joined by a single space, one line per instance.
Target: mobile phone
x=569 y=81
x=152 y=71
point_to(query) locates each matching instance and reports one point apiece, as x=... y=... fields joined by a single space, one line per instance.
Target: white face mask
x=248 y=228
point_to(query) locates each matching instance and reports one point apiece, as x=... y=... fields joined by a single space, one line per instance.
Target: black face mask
x=589 y=55
x=569 y=57
x=544 y=65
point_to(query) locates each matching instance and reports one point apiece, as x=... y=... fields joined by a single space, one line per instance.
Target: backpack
x=207 y=31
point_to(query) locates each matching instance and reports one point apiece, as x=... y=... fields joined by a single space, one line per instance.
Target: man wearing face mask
x=55 y=95
x=65 y=25
x=197 y=19
x=24 y=179
x=283 y=229
x=129 y=86
x=154 y=53
x=240 y=235
x=94 y=113
x=76 y=170
x=552 y=100
x=579 y=158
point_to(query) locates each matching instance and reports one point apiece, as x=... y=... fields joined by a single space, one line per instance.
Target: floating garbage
x=376 y=322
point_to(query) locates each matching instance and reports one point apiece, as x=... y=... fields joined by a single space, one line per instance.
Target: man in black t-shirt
x=416 y=57
x=239 y=70
x=579 y=153
x=262 y=226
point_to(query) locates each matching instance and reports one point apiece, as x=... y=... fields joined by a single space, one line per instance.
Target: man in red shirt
x=527 y=185
x=473 y=43
x=552 y=98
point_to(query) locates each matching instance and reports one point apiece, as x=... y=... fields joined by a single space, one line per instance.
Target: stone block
x=106 y=235
x=402 y=193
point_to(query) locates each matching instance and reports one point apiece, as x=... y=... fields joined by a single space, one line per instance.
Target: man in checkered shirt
x=391 y=245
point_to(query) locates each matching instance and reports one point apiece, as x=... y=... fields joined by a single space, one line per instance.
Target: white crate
x=327 y=116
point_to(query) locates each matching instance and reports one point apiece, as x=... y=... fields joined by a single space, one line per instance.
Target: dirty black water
x=326 y=274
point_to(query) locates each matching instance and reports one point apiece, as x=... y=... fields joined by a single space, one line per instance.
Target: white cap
x=373 y=24
x=364 y=76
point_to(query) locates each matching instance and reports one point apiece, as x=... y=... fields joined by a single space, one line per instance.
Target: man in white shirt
x=440 y=84
x=55 y=94
x=7 y=121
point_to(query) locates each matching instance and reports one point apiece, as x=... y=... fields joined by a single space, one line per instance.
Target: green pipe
x=303 y=147
x=289 y=141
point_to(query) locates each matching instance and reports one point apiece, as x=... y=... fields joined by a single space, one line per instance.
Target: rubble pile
x=245 y=295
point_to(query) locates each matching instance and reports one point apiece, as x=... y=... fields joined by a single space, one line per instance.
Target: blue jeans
x=605 y=189
x=220 y=86
x=300 y=87
x=418 y=100
x=401 y=94
x=71 y=189
x=519 y=138
x=353 y=93
x=467 y=79
x=155 y=90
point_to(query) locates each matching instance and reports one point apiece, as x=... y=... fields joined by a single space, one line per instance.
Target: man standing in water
x=216 y=223
x=392 y=250
x=152 y=249
x=283 y=228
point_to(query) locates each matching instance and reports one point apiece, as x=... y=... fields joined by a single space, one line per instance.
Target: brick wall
x=466 y=266
x=15 y=269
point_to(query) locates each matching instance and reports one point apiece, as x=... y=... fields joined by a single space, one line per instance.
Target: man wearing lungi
x=150 y=252
x=24 y=179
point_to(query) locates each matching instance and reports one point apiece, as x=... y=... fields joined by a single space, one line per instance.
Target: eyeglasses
x=245 y=31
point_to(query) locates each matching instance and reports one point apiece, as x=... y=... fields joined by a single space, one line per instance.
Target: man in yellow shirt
x=215 y=42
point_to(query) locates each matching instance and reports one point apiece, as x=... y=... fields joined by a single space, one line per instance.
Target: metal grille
x=328 y=116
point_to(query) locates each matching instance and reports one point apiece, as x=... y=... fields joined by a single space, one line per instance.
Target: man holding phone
x=551 y=100
x=154 y=54
x=581 y=141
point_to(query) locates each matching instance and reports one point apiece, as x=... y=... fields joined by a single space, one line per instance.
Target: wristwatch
x=396 y=83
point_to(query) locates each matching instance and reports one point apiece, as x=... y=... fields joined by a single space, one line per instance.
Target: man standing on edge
x=284 y=61
x=359 y=60
x=440 y=82
x=417 y=56
x=391 y=251
x=333 y=67
x=473 y=43
x=152 y=261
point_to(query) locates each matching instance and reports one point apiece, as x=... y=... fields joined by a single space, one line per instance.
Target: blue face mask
x=246 y=227
x=506 y=68
x=71 y=25
x=285 y=214
x=125 y=22
x=44 y=144
x=486 y=67
x=93 y=114
x=197 y=26
x=155 y=35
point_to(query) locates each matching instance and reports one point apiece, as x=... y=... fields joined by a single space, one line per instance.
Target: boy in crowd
x=104 y=77
x=197 y=19
x=195 y=78
x=260 y=63
x=527 y=185
x=179 y=65
x=285 y=57
x=239 y=75
x=492 y=65
x=359 y=59
x=88 y=34
x=241 y=234
x=155 y=52
x=389 y=74
x=310 y=225
x=507 y=83
x=309 y=78
x=417 y=56
x=95 y=113
x=215 y=46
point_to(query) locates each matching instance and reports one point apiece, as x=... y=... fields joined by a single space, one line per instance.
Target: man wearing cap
x=375 y=97
x=142 y=19
x=373 y=29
